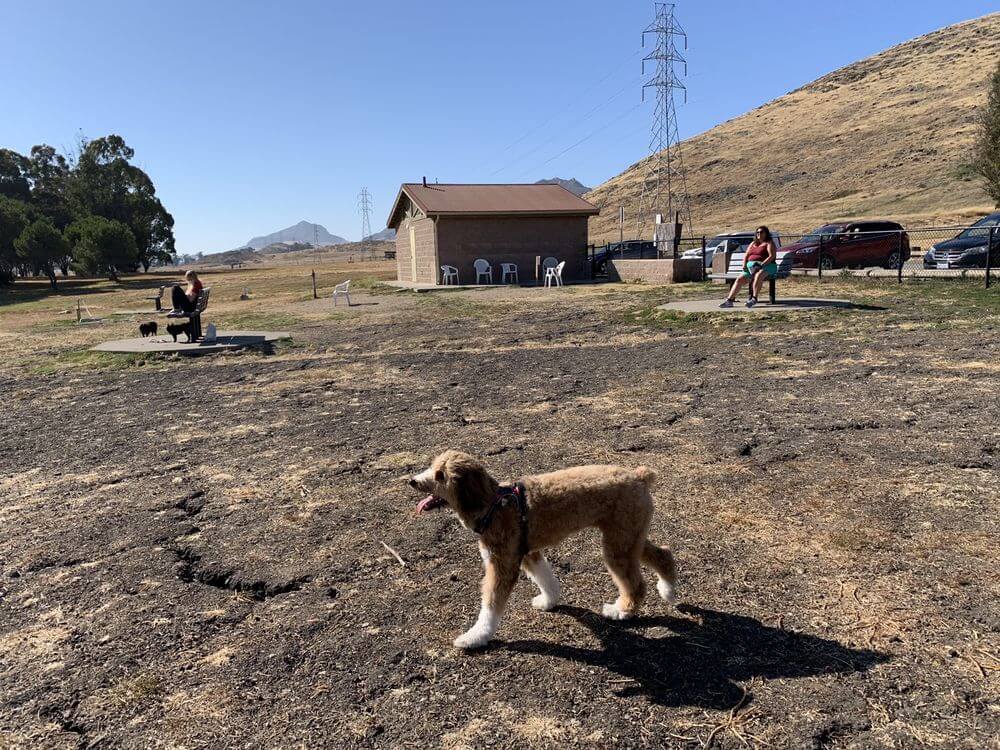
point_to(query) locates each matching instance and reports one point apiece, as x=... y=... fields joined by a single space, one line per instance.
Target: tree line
x=93 y=212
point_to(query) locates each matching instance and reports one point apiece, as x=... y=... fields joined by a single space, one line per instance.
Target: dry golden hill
x=884 y=137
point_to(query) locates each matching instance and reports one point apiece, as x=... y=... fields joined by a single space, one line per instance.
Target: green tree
x=49 y=174
x=105 y=183
x=14 y=175
x=102 y=247
x=42 y=246
x=986 y=160
x=13 y=220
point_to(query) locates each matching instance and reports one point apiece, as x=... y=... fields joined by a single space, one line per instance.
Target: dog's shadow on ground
x=701 y=661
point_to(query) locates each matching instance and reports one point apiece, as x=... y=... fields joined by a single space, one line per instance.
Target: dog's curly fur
x=611 y=498
x=148 y=329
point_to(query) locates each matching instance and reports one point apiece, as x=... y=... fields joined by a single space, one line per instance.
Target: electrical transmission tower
x=365 y=209
x=664 y=185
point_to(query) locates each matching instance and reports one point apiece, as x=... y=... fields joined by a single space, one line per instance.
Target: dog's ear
x=473 y=485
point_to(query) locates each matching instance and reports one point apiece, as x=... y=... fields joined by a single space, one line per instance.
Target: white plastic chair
x=483 y=268
x=509 y=270
x=449 y=275
x=342 y=289
x=554 y=274
x=548 y=263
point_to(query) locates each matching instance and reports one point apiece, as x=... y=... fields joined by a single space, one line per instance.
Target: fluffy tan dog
x=513 y=530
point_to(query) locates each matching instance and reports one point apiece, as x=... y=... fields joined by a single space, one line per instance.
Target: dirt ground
x=196 y=552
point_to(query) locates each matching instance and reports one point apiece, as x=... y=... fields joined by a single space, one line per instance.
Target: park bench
x=783 y=261
x=194 y=317
x=157 y=300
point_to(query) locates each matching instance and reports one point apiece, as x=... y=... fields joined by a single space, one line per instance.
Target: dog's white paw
x=544 y=602
x=474 y=638
x=613 y=613
x=666 y=591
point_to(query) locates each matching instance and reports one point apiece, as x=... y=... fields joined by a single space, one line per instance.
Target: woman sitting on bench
x=185 y=300
x=759 y=264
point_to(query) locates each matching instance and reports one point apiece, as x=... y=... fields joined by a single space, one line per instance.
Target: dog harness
x=513 y=495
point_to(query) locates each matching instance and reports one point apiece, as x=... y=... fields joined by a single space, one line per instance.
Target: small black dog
x=176 y=329
x=148 y=329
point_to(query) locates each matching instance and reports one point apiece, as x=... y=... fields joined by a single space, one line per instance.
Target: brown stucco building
x=454 y=225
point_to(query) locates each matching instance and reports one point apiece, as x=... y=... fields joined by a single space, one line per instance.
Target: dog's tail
x=646 y=475
x=662 y=561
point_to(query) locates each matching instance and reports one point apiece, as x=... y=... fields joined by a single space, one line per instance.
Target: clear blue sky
x=251 y=116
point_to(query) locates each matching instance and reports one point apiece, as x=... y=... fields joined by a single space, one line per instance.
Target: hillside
x=301 y=232
x=292 y=253
x=885 y=137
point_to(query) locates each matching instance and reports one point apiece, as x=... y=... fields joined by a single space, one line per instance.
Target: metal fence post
x=819 y=259
x=704 y=250
x=899 y=255
x=989 y=254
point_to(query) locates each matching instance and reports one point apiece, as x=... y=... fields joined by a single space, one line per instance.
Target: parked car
x=859 y=244
x=630 y=249
x=736 y=242
x=968 y=249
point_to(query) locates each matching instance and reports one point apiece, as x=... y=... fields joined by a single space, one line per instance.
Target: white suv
x=736 y=242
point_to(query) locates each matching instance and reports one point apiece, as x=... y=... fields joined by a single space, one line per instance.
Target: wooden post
x=314 y=284
x=538 y=266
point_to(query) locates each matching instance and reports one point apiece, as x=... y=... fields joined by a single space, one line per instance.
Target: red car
x=860 y=244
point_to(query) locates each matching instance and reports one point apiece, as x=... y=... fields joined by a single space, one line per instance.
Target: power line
x=584 y=139
x=561 y=110
x=577 y=167
x=586 y=116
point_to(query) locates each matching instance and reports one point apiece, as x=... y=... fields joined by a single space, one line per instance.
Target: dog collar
x=516 y=495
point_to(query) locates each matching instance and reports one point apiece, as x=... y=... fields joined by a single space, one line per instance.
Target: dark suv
x=967 y=250
x=859 y=244
x=630 y=249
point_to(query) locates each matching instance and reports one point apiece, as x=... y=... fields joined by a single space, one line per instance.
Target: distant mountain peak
x=304 y=231
x=573 y=185
x=386 y=235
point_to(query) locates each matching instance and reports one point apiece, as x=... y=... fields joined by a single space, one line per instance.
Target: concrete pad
x=411 y=287
x=225 y=341
x=419 y=287
x=763 y=307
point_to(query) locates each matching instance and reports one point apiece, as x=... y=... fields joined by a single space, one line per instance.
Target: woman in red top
x=757 y=265
x=184 y=300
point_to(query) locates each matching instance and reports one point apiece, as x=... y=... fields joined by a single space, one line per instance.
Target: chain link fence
x=867 y=249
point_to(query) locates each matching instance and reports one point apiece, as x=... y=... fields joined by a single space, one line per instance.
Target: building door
x=413 y=254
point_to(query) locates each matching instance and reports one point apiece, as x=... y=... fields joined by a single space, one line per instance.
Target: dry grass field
x=885 y=137
x=195 y=550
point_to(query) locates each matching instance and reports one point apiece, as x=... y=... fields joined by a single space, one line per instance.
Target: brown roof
x=452 y=200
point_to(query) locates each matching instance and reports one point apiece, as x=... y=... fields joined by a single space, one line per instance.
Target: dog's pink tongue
x=429 y=503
